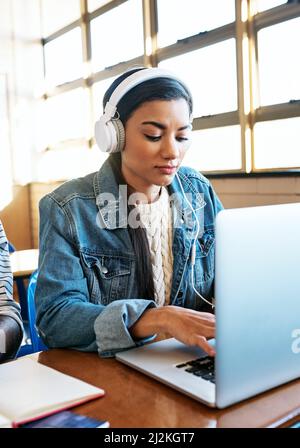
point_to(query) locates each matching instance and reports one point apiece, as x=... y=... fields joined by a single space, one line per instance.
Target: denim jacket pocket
x=205 y=256
x=205 y=243
x=107 y=276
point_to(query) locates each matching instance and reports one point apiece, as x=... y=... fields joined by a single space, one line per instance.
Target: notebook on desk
x=31 y=391
x=257 y=292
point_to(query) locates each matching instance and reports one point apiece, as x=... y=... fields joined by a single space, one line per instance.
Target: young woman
x=127 y=253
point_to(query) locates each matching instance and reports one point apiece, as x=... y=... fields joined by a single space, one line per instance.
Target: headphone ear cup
x=119 y=135
x=103 y=135
x=110 y=135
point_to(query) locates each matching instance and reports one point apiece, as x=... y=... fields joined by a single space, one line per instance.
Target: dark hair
x=160 y=88
x=153 y=89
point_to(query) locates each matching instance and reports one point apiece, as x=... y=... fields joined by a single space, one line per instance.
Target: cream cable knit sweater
x=157 y=220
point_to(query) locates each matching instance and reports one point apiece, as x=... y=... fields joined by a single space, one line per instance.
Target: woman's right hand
x=188 y=326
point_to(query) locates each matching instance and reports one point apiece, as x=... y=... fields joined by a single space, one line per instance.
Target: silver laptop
x=257 y=292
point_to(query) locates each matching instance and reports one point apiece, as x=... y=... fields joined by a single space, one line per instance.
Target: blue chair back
x=11 y=247
x=36 y=341
x=35 y=344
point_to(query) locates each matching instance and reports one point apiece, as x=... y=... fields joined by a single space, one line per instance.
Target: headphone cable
x=193 y=252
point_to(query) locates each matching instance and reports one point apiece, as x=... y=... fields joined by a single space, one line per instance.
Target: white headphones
x=109 y=130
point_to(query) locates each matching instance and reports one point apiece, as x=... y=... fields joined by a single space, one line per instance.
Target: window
x=6 y=172
x=279 y=75
x=99 y=90
x=262 y=5
x=95 y=4
x=63 y=58
x=271 y=148
x=61 y=164
x=210 y=73
x=243 y=75
x=65 y=118
x=58 y=13
x=183 y=19
x=215 y=149
x=67 y=163
x=114 y=40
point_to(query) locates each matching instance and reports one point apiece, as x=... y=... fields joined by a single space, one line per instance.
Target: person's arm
x=10 y=338
x=65 y=315
x=11 y=327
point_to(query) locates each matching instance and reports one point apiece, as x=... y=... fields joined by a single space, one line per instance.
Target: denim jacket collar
x=108 y=198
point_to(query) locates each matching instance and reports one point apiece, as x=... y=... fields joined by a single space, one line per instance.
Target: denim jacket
x=87 y=294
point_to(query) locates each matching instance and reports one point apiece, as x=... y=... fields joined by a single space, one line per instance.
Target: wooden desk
x=24 y=262
x=134 y=400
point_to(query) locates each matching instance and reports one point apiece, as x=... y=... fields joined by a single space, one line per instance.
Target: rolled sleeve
x=119 y=316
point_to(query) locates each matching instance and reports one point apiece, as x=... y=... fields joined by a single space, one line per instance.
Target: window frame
x=244 y=30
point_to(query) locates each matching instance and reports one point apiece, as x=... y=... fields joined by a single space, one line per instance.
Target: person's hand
x=190 y=327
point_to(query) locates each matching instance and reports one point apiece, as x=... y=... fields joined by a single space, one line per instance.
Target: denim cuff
x=111 y=326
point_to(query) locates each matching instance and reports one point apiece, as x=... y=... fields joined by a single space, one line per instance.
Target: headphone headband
x=133 y=80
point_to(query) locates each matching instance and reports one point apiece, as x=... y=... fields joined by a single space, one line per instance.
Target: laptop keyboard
x=202 y=367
